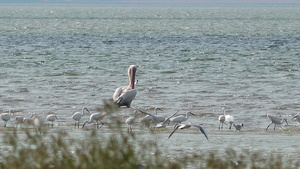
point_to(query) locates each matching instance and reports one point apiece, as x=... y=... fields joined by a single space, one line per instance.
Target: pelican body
x=276 y=121
x=124 y=95
x=186 y=126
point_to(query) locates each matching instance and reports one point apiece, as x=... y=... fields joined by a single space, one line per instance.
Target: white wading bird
x=229 y=119
x=124 y=95
x=130 y=120
x=96 y=117
x=185 y=126
x=147 y=119
x=221 y=121
x=77 y=116
x=19 y=120
x=38 y=123
x=238 y=126
x=51 y=118
x=225 y=118
x=160 y=124
x=275 y=120
x=6 y=117
x=181 y=118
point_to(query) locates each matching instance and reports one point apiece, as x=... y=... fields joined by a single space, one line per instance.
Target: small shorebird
x=238 y=127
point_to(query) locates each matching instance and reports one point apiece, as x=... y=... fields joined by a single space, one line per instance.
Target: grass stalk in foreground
x=120 y=150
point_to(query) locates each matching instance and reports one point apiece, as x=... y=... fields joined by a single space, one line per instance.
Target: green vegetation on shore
x=120 y=150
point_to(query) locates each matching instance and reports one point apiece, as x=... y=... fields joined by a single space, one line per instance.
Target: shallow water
x=244 y=60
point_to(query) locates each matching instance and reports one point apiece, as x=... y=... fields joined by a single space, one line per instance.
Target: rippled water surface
x=244 y=60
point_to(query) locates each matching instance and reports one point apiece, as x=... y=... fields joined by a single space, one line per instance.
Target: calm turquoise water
x=244 y=60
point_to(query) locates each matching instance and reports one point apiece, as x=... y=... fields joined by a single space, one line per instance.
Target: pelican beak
x=132 y=77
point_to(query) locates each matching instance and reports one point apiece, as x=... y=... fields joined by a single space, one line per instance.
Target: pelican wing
x=118 y=93
x=123 y=96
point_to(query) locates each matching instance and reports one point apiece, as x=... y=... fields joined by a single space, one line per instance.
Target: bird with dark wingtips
x=186 y=126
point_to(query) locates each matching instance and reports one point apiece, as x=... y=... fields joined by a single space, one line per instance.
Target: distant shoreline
x=152 y=4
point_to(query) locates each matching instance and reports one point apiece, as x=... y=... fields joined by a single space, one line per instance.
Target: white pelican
x=238 y=127
x=6 y=117
x=19 y=120
x=275 y=120
x=181 y=118
x=96 y=117
x=77 y=116
x=185 y=126
x=51 y=118
x=124 y=95
x=147 y=119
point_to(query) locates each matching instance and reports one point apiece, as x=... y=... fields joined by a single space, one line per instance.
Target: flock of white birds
x=123 y=96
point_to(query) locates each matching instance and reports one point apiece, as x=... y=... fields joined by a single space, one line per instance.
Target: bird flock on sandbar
x=123 y=97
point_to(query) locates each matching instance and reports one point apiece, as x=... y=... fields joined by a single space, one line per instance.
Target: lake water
x=244 y=60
